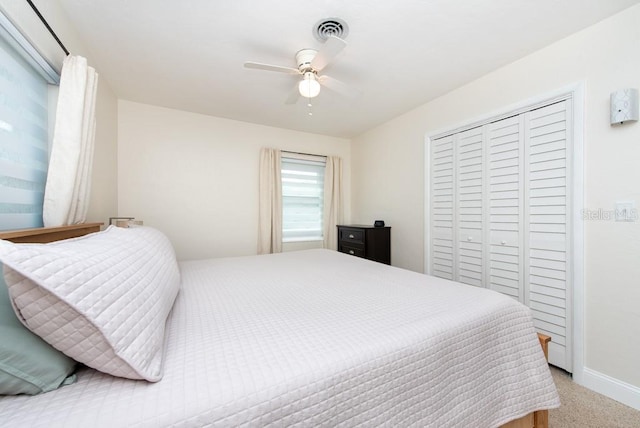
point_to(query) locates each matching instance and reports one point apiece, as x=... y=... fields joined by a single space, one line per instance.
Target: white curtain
x=332 y=214
x=66 y=195
x=270 y=209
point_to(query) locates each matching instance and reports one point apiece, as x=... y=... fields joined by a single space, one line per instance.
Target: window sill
x=302 y=239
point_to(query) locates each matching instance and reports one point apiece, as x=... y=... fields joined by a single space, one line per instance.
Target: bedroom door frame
x=575 y=92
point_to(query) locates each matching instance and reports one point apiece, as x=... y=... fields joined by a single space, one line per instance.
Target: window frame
x=307 y=163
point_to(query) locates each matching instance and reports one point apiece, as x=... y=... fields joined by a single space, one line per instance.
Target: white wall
x=388 y=174
x=103 y=201
x=104 y=183
x=195 y=177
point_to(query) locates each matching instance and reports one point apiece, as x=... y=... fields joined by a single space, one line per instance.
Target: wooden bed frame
x=43 y=235
x=538 y=419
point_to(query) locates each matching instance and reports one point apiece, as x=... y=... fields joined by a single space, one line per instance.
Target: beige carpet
x=583 y=408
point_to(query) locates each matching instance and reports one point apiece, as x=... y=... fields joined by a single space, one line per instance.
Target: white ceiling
x=189 y=54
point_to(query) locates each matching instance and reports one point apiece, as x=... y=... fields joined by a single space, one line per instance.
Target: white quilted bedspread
x=318 y=338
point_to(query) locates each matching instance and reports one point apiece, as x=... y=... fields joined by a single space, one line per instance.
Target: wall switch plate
x=626 y=211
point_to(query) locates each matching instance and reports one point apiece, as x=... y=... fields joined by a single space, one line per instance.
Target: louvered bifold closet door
x=547 y=227
x=469 y=206
x=442 y=207
x=500 y=195
x=504 y=140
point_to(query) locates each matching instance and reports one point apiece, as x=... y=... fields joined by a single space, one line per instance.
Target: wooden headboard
x=50 y=234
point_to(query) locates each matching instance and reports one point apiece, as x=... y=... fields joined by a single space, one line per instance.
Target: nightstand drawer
x=354 y=251
x=355 y=236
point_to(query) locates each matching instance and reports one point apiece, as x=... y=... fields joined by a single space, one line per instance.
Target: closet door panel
x=442 y=207
x=547 y=225
x=469 y=191
x=505 y=210
x=504 y=268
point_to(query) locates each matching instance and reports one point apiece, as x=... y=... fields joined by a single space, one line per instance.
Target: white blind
x=302 y=199
x=23 y=140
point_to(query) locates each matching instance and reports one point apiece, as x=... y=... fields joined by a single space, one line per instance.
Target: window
x=302 y=199
x=23 y=129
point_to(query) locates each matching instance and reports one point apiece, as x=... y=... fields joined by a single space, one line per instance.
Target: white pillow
x=102 y=299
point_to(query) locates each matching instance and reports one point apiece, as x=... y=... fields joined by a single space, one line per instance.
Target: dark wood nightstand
x=373 y=243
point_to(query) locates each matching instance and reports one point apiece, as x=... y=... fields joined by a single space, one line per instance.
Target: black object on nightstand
x=369 y=242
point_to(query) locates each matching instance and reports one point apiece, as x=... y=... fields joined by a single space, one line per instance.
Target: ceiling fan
x=310 y=62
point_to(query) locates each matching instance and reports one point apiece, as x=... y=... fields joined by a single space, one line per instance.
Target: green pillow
x=28 y=364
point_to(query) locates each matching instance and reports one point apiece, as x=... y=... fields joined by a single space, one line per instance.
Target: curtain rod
x=46 y=24
x=300 y=153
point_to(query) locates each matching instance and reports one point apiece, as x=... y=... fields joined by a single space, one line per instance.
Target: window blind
x=302 y=199
x=23 y=139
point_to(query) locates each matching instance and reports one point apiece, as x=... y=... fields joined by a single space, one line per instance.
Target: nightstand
x=373 y=243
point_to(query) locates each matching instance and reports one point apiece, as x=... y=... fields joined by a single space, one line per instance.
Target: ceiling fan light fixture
x=309 y=86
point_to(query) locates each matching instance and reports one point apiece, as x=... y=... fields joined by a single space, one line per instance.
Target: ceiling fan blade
x=269 y=67
x=294 y=95
x=339 y=87
x=331 y=48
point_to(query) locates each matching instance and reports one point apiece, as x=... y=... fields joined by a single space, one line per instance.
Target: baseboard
x=613 y=388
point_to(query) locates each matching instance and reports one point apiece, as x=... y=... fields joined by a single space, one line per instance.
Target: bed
x=318 y=338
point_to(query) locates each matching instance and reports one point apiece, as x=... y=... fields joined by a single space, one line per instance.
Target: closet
x=499 y=204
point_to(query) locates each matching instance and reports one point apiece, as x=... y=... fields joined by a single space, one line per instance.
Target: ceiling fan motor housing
x=304 y=58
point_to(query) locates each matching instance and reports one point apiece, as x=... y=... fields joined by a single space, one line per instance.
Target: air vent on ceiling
x=330 y=27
